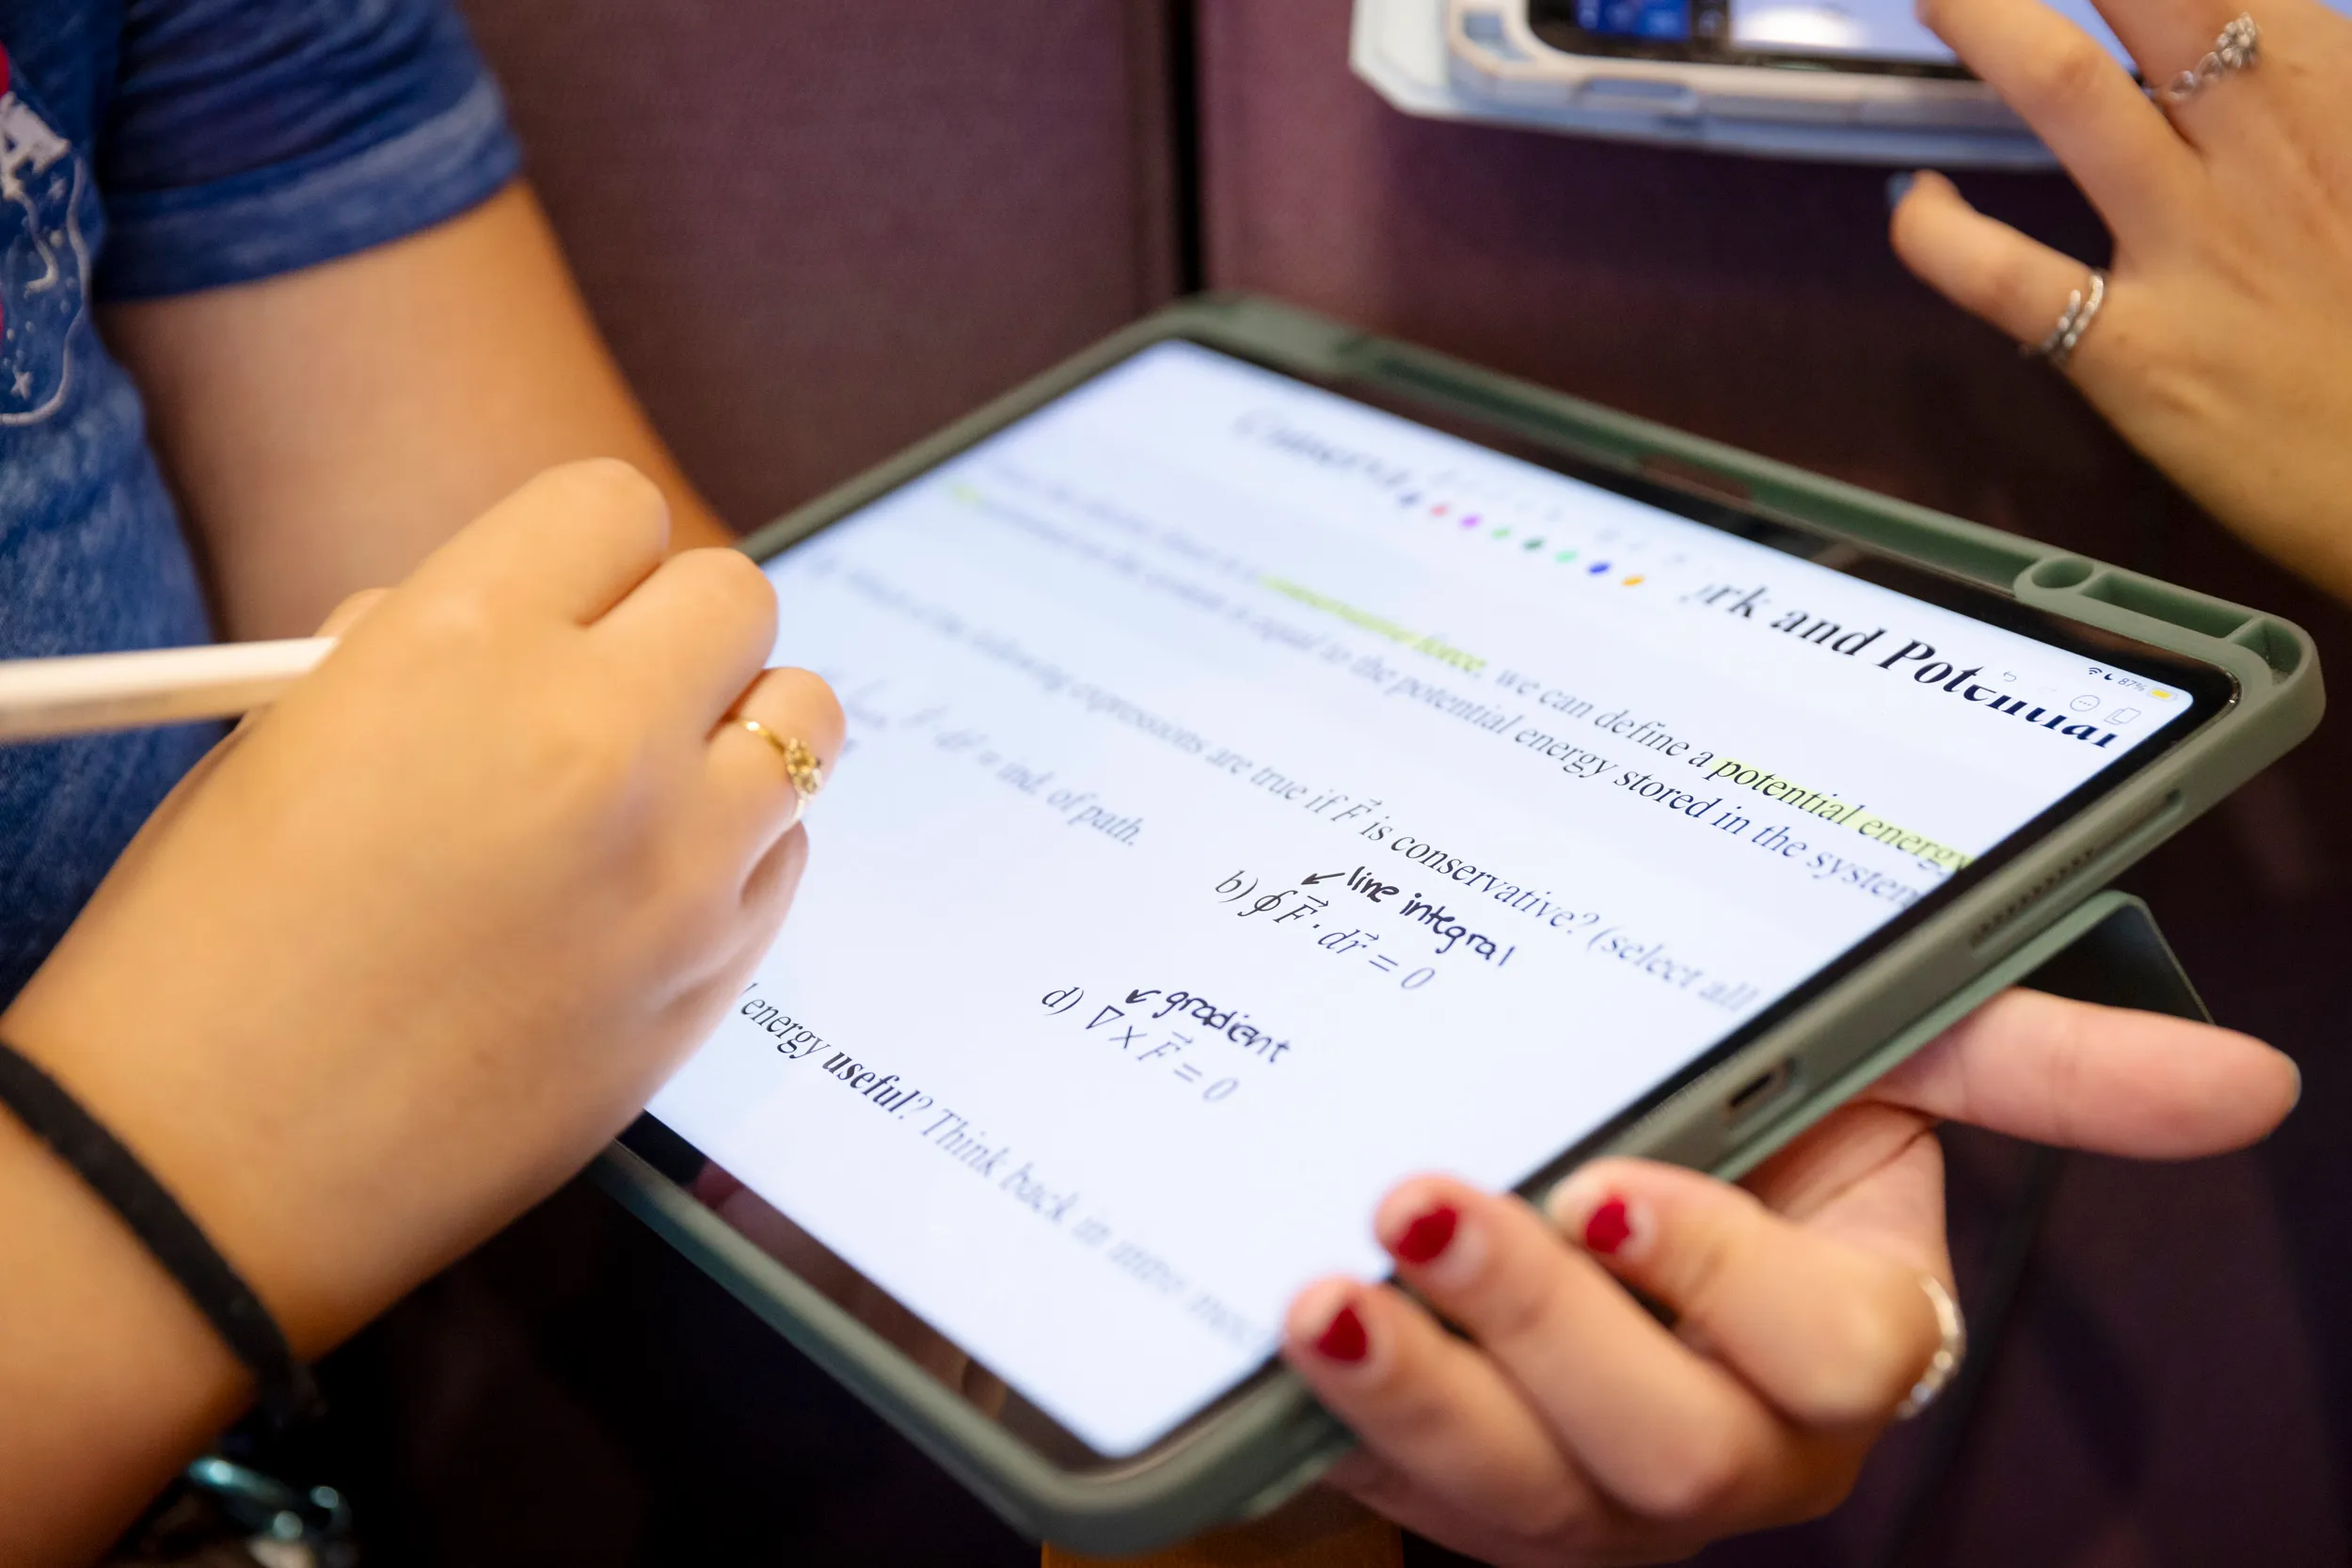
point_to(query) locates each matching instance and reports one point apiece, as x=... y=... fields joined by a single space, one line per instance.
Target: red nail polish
x=1430 y=1234
x=1344 y=1337
x=1609 y=1227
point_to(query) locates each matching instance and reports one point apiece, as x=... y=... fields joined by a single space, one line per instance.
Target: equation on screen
x=1200 y=1044
x=1403 y=935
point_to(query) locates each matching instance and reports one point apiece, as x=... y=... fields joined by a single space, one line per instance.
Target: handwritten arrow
x=1321 y=877
x=1136 y=996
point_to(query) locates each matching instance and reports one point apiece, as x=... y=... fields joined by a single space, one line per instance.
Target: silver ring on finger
x=2239 y=46
x=2082 y=309
x=1950 y=1350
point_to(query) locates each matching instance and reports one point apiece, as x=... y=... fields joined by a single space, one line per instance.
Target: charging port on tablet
x=1762 y=1089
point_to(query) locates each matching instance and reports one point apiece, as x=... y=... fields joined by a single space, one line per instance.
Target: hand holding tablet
x=1280 y=772
x=1571 y=1426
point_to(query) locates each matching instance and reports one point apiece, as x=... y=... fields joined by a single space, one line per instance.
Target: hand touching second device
x=2223 y=347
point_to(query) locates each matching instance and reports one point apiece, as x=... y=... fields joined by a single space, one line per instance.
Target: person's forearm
x=325 y=430
x=388 y=968
x=109 y=1378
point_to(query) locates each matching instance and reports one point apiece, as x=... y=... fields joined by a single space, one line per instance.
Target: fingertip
x=1327 y=1326
x=1606 y=1210
x=1985 y=266
x=2201 y=1089
x=1913 y=210
x=2111 y=1080
x=1313 y=1306
x=2276 y=1086
x=1416 y=1205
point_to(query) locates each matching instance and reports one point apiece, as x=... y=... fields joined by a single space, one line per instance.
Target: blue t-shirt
x=153 y=148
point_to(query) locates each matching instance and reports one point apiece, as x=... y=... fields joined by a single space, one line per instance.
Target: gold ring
x=801 y=764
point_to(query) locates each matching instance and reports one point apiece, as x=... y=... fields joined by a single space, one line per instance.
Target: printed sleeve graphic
x=44 y=261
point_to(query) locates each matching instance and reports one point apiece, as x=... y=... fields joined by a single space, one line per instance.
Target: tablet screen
x=1256 y=796
x=1856 y=34
x=1878 y=29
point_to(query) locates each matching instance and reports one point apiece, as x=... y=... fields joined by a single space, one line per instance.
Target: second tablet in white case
x=1480 y=61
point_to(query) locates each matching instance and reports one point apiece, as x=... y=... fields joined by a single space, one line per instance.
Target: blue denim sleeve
x=250 y=137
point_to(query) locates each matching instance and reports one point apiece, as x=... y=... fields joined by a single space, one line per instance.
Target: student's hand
x=2224 y=350
x=418 y=939
x=1570 y=1427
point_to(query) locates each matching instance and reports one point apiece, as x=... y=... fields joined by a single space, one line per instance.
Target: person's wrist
x=88 y=1308
x=212 y=1159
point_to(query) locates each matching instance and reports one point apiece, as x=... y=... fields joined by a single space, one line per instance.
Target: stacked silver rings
x=2238 y=47
x=2082 y=309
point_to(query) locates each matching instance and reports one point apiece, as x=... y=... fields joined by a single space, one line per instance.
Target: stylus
x=159 y=686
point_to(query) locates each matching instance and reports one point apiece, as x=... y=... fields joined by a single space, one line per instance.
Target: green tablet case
x=2041 y=919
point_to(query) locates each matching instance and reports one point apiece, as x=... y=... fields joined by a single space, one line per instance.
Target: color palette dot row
x=1500 y=532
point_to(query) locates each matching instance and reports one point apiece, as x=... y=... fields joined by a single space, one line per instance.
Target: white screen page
x=1255 y=798
x=1891 y=29
x=1879 y=29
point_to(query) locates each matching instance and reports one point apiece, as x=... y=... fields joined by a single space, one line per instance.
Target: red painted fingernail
x=1429 y=1234
x=1344 y=1337
x=1609 y=1227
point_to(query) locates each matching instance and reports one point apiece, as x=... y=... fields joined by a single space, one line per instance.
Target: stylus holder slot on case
x=2277 y=645
x=2163 y=602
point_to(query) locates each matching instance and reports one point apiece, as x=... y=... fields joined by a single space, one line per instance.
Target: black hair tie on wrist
x=286 y=1393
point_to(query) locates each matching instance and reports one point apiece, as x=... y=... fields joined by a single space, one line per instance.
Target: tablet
x=1884 y=36
x=1264 y=784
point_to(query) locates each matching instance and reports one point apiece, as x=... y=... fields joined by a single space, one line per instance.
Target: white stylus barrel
x=160 y=685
